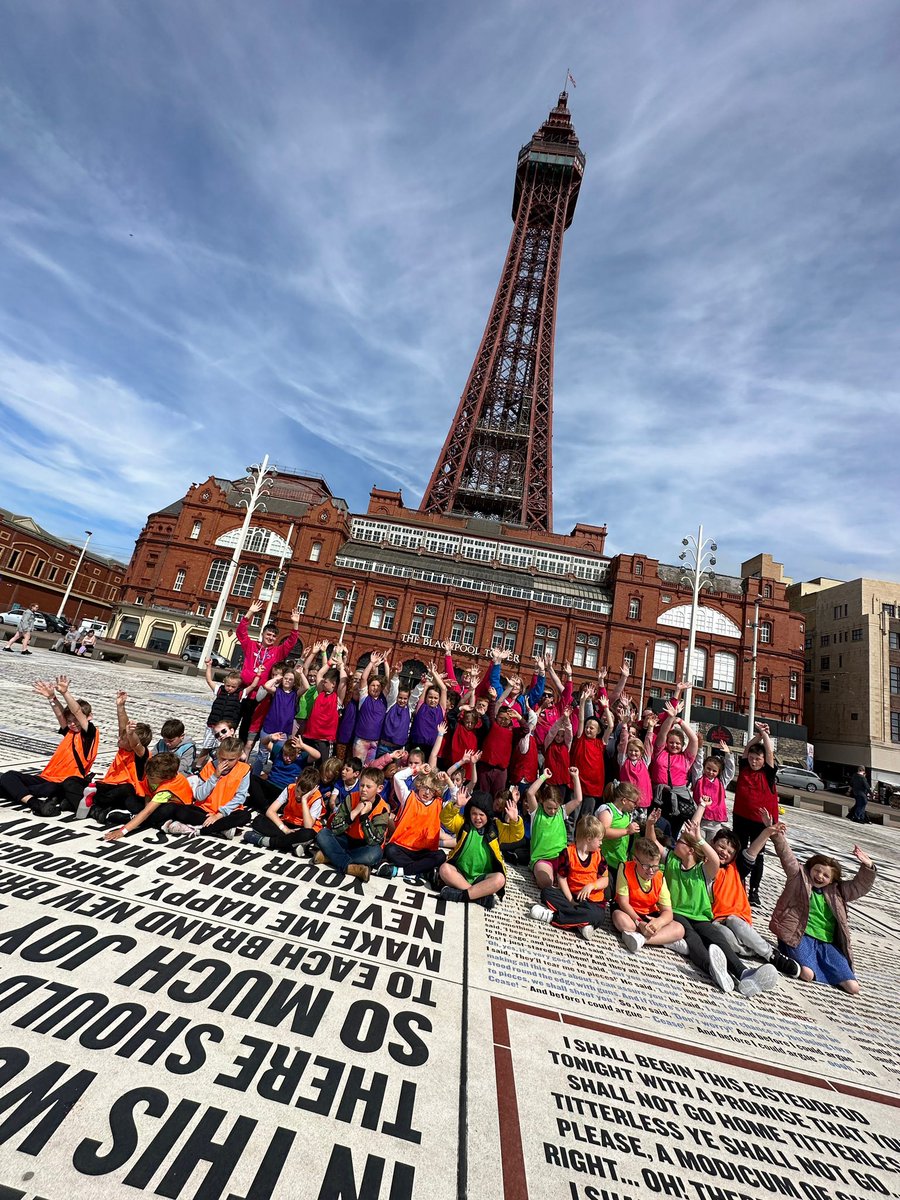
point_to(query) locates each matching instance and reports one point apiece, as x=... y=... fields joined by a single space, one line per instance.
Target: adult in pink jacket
x=260 y=657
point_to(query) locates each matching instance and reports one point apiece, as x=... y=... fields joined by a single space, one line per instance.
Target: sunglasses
x=220 y=733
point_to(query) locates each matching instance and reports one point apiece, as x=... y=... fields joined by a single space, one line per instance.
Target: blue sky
x=233 y=228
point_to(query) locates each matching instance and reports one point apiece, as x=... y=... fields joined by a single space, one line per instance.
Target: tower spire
x=496 y=461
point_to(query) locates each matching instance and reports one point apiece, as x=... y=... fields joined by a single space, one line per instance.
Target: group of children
x=446 y=781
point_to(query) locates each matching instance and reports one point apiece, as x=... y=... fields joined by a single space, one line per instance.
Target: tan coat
x=791 y=913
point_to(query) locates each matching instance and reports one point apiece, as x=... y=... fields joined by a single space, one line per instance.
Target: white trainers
x=540 y=913
x=680 y=947
x=632 y=941
x=586 y=931
x=718 y=969
x=763 y=979
x=179 y=827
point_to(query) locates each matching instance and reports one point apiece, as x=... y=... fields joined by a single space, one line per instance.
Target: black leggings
x=413 y=862
x=570 y=914
x=15 y=785
x=248 y=707
x=700 y=935
x=745 y=831
x=279 y=840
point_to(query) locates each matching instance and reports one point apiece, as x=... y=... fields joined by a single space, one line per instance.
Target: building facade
x=477 y=564
x=36 y=567
x=852 y=675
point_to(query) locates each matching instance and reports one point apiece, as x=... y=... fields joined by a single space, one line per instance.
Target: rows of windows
x=478 y=549
x=475 y=585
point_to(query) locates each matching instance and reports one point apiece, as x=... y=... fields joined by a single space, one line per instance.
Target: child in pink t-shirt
x=634 y=762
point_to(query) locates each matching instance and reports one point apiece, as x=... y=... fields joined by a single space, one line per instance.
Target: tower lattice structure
x=497 y=459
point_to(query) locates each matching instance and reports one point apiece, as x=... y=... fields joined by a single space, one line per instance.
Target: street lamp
x=696 y=559
x=259 y=480
x=71 y=584
x=279 y=580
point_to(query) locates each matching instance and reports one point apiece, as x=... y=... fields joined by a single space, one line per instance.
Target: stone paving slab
x=186 y=1017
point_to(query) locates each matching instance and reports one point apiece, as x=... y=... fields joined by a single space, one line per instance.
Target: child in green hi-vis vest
x=619 y=802
x=549 y=837
x=690 y=869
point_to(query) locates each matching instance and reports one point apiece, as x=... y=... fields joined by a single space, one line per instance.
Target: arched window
x=160 y=638
x=697 y=675
x=245 y=580
x=765 y=631
x=272 y=584
x=665 y=655
x=724 y=672
x=218 y=569
x=634 y=609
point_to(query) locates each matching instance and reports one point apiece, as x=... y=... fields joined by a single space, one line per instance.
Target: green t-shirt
x=689 y=890
x=615 y=850
x=473 y=860
x=548 y=835
x=821 y=922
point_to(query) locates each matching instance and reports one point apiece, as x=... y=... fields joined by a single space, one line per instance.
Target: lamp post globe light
x=697 y=558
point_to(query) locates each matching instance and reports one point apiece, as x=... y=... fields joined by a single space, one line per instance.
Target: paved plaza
x=186 y=1017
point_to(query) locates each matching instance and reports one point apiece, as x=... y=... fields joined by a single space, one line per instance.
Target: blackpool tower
x=497 y=459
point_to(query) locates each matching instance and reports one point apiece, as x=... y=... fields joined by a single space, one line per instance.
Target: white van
x=99 y=627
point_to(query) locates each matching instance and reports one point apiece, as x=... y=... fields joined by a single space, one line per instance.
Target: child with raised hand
x=557 y=748
x=282 y=708
x=691 y=868
x=225 y=706
x=811 y=920
x=372 y=709
x=122 y=791
x=588 y=753
x=413 y=848
x=324 y=717
x=549 y=837
x=171 y=797
x=617 y=820
x=579 y=899
x=674 y=752
x=474 y=870
x=731 y=907
x=643 y=907
x=634 y=765
x=353 y=841
x=510 y=826
x=710 y=787
x=293 y=819
x=430 y=711
x=63 y=779
x=755 y=797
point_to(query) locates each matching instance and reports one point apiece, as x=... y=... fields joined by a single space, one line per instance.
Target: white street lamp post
x=751 y=710
x=695 y=558
x=71 y=584
x=259 y=473
x=347 y=610
x=285 y=552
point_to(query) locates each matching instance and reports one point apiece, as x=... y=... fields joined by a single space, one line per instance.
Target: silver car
x=12 y=618
x=799 y=777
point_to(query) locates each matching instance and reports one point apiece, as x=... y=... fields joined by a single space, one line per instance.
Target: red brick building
x=36 y=567
x=417 y=580
x=478 y=563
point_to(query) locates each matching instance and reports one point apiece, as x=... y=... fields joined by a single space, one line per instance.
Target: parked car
x=192 y=654
x=54 y=623
x=12 y=618
x=799 y=777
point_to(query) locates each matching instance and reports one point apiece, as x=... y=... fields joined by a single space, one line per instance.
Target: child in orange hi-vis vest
x=61 y=783
x=170 y=794
x=123 y=791
x=578 y=901
x=413 y=846
x=293 y=819
x=643 y=911
x=731 y=904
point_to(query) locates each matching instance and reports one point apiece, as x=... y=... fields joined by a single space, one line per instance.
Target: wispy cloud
x=225 y=235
